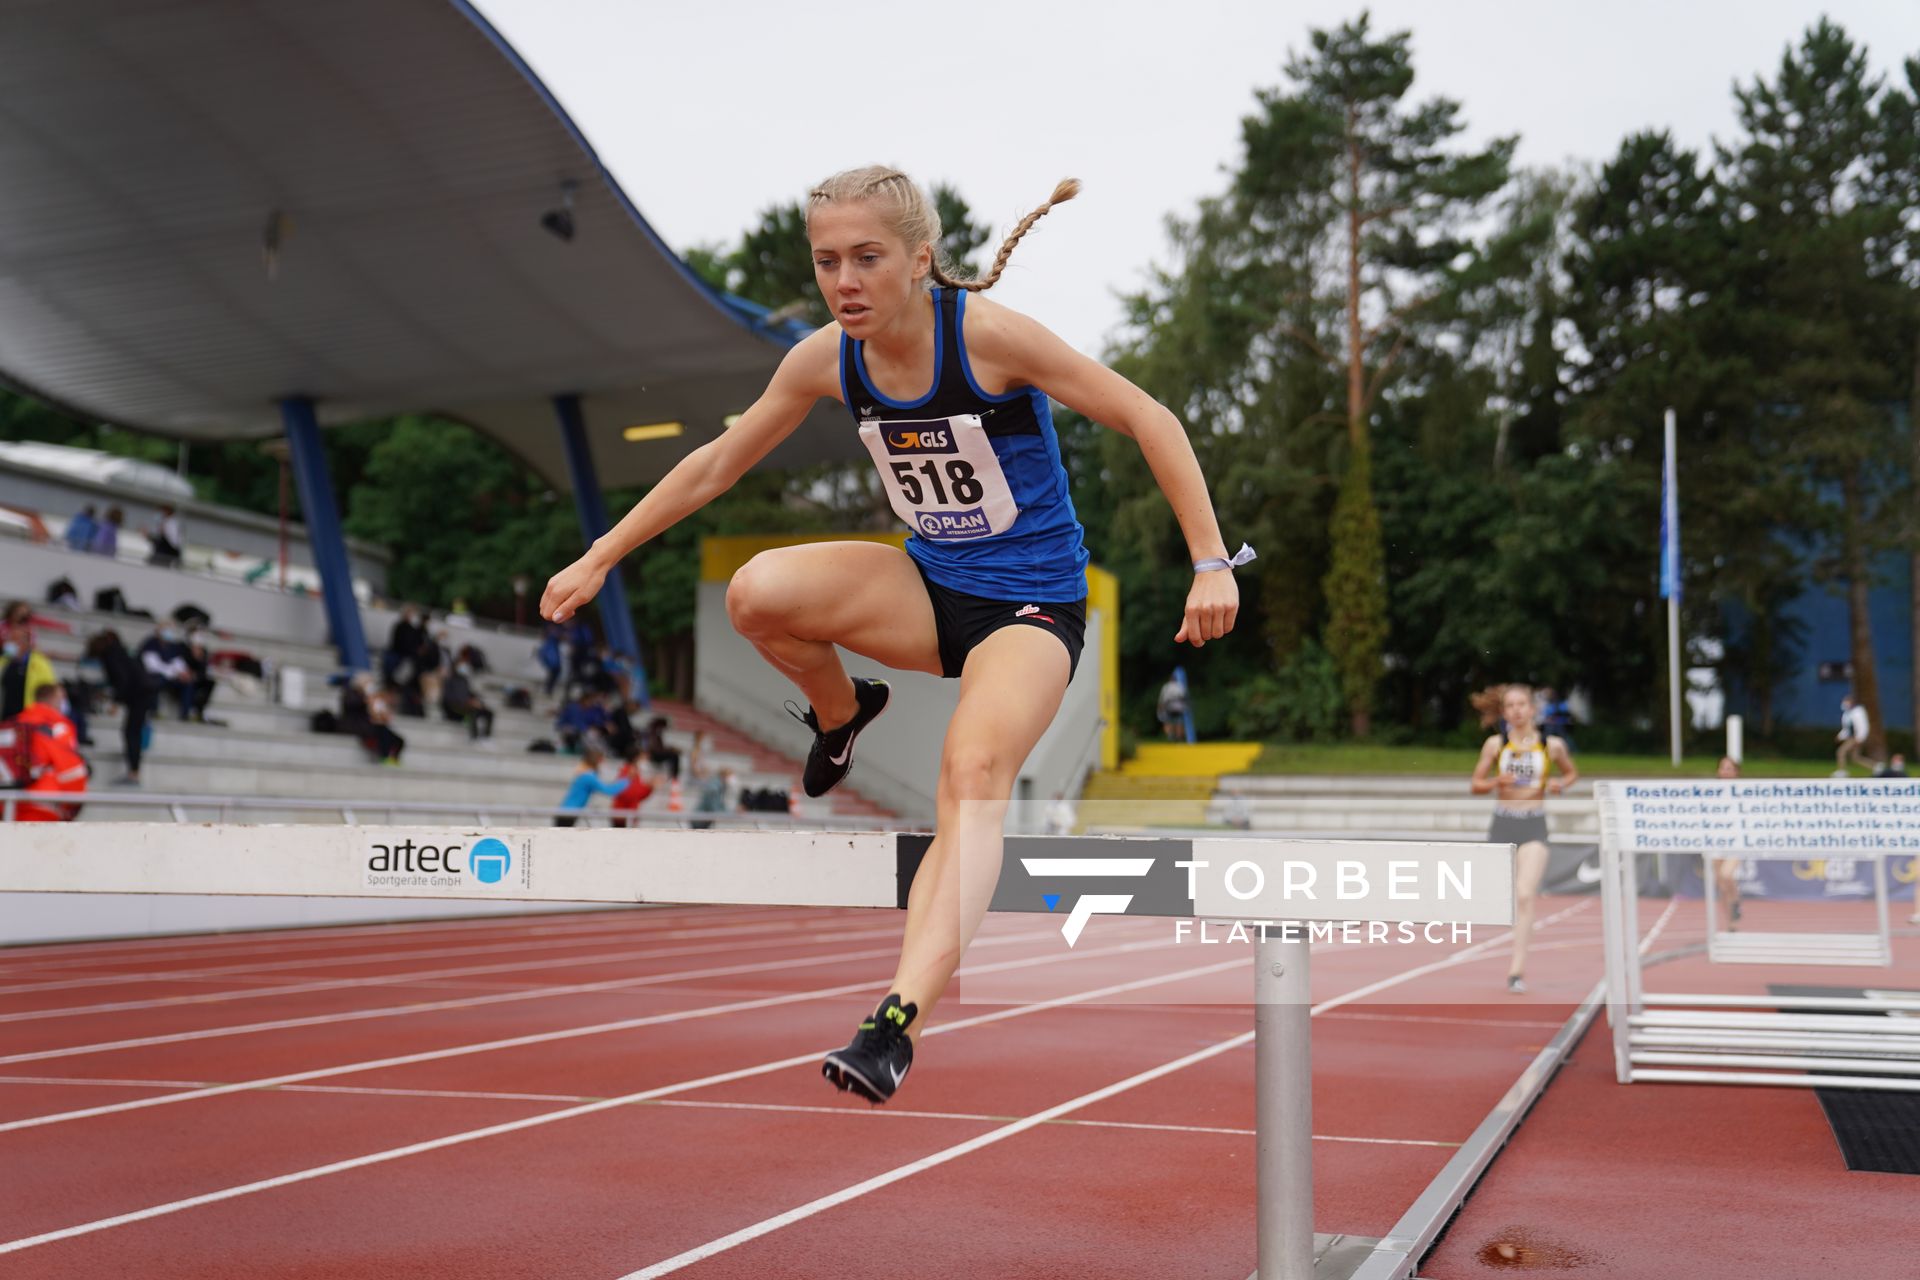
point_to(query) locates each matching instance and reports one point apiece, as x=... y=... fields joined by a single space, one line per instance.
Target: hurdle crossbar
x=1239 y=879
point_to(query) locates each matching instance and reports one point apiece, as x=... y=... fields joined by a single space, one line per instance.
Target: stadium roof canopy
x=402 y=158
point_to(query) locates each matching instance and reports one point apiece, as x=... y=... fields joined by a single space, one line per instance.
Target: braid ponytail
x=1063 y=191
x=911 y=216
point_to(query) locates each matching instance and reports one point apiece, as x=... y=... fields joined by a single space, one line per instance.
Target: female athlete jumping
x=950 y=397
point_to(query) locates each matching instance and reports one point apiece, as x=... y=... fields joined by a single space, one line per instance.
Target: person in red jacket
x=54 y=760
x=638 y=788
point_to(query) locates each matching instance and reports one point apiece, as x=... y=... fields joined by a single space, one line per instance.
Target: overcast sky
x=708 y=113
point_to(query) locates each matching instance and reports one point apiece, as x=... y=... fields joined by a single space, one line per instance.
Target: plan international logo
x=971 y=523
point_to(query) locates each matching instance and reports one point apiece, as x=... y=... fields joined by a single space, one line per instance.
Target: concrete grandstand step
x=189 y=758
x=1570 y=825
x=58 y=644
x=1392 y=803
x=1190 y=759
x=433 y=743
x=1144 y=813
x=355 y=781
x=1122 y=786
x=316 y=661
x=286 y=728
x=200 y=744
x=1252 y=784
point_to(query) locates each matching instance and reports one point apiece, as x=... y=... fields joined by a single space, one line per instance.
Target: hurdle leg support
x=1283 y=1108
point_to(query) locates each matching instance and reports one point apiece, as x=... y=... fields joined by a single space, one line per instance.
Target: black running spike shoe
x=832 y=753
x=877 y=1061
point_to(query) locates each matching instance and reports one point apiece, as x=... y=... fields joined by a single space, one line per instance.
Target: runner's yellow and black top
x=1524 y=766
x=977 y=477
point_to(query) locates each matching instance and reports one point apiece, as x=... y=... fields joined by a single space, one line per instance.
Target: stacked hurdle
x=1823 y=1041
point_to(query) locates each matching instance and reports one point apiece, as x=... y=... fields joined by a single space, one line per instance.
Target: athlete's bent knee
x=974 y=773
x=753 y=597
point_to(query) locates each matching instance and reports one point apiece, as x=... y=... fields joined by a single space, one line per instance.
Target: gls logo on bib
x=919 y=441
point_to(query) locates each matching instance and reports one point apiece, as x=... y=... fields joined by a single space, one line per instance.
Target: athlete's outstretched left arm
x=1026 y=348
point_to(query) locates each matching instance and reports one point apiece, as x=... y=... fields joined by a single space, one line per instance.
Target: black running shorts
x=963 y=621
x=1517 y=828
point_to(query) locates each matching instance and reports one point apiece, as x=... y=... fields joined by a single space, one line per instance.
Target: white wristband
x=1240 y=557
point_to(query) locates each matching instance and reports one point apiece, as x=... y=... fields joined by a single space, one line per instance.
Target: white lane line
x=425 y=975
x=808 y=1210
x=639 y=917
x=544 y=1037
x=105 y=1083
x=220 y=946
x=439 y=1006
x=875 y=1113
x=507 y=997
x=298 y=933
x=456 y=1094
x=529 y=1122
x=682 y=1087
x=309 y=962
x=1463 y=956
x=889 y=1112
x=1455 y=1022
x=768 y=1225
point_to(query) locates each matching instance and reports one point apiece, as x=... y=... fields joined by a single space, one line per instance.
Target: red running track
x=1710 y=1182
x=635 y=1093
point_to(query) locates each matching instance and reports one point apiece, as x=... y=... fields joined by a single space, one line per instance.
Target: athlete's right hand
x=572 y=587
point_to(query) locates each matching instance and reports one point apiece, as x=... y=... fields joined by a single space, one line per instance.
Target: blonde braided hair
x=908 y=213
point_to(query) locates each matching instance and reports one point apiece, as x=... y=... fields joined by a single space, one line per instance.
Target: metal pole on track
x=1283 y=1108
x=1670 y=497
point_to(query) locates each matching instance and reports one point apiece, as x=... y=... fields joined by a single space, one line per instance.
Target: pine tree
x=1818 y=198
x=1367 y=175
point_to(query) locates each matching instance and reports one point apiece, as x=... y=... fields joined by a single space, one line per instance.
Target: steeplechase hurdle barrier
x=1824 y=1041
x=1228 y=879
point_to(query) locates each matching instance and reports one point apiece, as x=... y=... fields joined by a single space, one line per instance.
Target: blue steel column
x=309 y=457
x=615 y=621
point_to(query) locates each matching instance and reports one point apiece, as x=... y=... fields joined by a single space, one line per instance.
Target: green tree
x=1375 y=209
x=1656 y=327
x=1818 y=201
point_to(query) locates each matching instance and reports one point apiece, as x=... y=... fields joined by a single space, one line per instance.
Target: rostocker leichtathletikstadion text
x=1789 y=817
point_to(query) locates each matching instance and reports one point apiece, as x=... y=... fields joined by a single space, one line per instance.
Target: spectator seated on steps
x=367 y=714
x=459 y=703
x=654 y=743
x=582 y=723
x=164 y=655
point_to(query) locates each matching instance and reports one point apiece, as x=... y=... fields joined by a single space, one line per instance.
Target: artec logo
x=440 y=862
x=489 y=860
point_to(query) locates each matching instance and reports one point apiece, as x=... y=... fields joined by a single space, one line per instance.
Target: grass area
x=1368 y=758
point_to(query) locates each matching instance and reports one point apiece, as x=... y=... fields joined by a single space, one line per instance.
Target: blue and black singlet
x=978 y=477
